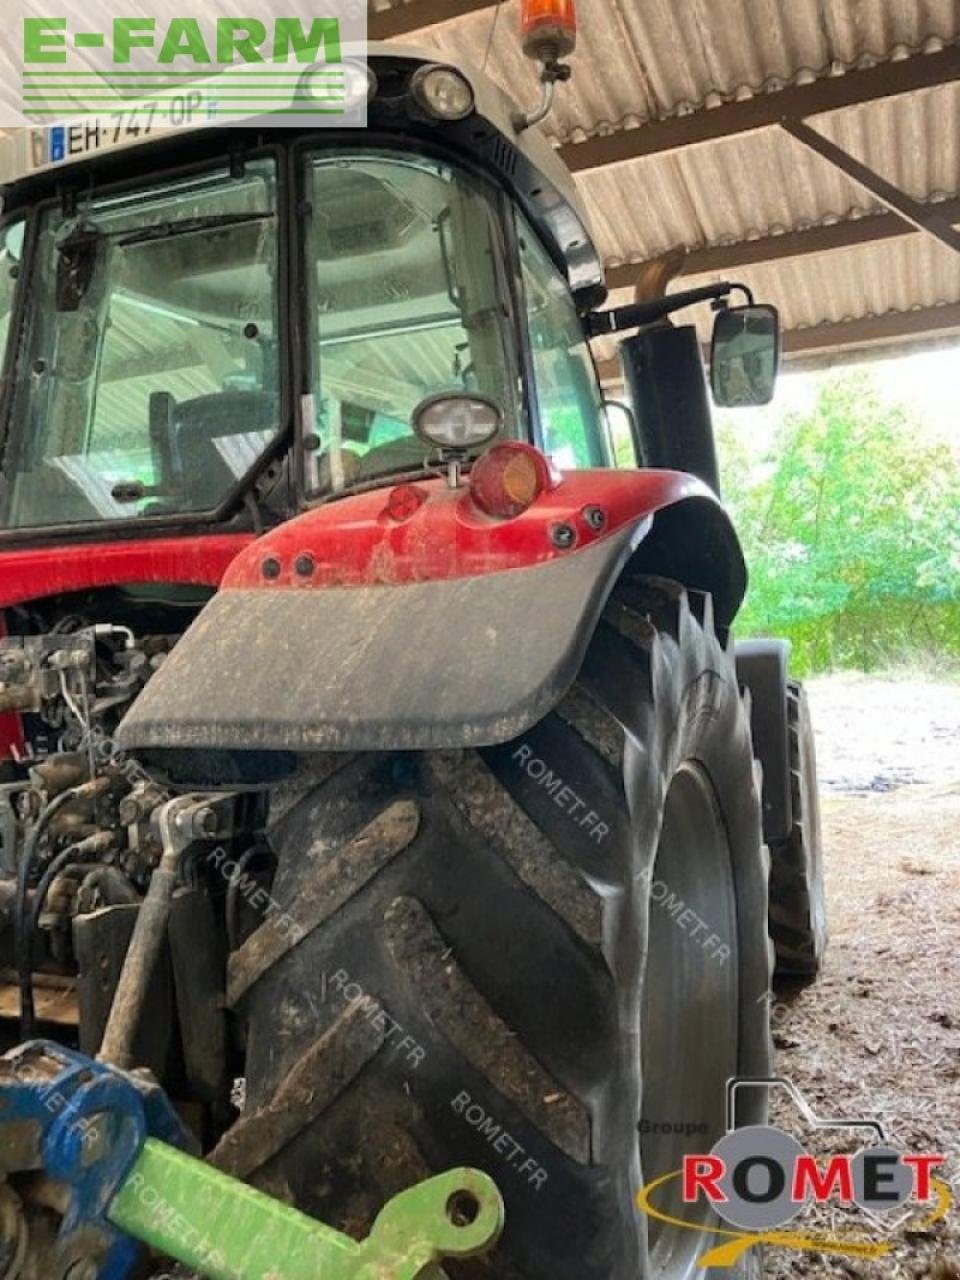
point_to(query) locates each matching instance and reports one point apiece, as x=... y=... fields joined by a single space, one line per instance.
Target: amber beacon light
x=548 y=29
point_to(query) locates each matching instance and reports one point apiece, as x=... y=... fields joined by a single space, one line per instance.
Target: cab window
x=408 y=297
x=571 y=408
x=149 y=380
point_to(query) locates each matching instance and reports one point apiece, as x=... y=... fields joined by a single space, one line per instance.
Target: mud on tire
x=469 y=985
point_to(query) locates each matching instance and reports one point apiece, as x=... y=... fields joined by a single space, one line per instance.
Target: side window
x=158 y=390
x=622 y=435
x=571 y=409
x=405 y=299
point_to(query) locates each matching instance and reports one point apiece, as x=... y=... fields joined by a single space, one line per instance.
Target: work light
x=359 y=83
x=454 y=421
x=443 y=92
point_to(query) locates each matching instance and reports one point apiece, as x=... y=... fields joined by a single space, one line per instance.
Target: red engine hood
x=34 y=572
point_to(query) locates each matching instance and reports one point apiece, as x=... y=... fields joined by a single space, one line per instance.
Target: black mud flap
x=458 y=663
x=762 y=669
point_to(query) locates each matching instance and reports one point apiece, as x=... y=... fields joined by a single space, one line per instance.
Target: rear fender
x=347 y=629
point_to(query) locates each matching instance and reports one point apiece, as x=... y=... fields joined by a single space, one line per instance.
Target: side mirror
x=745 y=356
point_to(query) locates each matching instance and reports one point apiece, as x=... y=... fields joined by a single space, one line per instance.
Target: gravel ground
x=879 y=1034
x=877 y=735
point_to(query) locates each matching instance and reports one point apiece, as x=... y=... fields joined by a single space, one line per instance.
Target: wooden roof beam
x=765 y=110
x=791 y=244
x=401 y=19
x=925 y=217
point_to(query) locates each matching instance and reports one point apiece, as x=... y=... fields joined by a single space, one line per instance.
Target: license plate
x=63 y=143
x=73 y=141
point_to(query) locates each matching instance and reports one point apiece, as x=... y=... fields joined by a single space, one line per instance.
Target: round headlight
x=443 y=92
x=457 y=421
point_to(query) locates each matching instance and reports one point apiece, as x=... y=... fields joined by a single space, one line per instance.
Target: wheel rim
x=690 y=1009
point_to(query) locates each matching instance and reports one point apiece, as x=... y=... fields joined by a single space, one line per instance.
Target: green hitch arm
x=226 y=1230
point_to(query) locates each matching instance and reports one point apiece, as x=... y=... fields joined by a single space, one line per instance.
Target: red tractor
x=378 y=770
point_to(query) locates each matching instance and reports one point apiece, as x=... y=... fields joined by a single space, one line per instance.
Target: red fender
x=440 y=534
x=420 y=623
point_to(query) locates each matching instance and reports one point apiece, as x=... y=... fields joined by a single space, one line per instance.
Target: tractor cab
x=220 y=326
x=202 y=325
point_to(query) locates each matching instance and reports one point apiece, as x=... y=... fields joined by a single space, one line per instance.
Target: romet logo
x=758 y=1179
x=203 y=61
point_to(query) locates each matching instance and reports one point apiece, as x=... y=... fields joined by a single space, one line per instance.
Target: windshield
x=149 y=380
x=406 y=298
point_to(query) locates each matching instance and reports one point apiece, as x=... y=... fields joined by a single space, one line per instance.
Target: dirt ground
x=879 y=1035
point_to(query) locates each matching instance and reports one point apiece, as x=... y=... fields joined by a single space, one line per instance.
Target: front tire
x=543 y=959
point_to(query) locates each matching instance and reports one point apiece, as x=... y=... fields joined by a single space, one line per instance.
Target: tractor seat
x=213 y=440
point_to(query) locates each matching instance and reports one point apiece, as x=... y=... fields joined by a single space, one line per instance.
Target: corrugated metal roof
x=645 y=60
x=640 y=62
x=765 y=183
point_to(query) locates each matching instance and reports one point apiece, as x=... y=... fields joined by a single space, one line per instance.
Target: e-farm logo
x=141 y=67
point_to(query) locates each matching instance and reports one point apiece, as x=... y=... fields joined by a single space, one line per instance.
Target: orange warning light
x=548 y=29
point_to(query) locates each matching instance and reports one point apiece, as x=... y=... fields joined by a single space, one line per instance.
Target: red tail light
x=404 y=501
x=548 y=29
x=509 y=478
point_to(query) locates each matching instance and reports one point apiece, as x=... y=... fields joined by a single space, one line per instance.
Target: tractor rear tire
x=798 y=905
x=543 y=959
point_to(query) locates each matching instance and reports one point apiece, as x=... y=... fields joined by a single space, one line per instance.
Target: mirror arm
x=640 y=313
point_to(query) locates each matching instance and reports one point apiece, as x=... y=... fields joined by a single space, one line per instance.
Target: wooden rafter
x=847 y=234
x=925 y=217
x=387 y=24
x=766 y=110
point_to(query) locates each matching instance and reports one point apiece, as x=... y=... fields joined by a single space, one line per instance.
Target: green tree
x=851 y=529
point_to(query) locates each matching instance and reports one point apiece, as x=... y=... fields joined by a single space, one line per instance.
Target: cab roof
x=525 y=162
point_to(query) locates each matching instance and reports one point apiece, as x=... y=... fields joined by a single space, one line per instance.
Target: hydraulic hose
x=21 y=923
x=76 y=855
